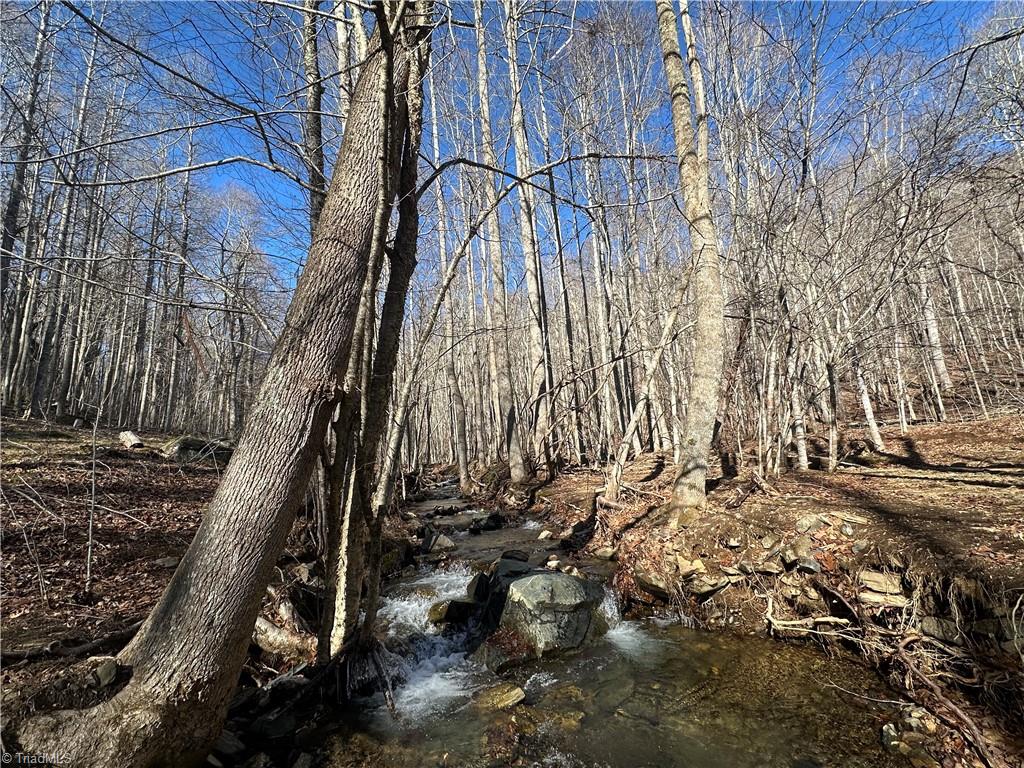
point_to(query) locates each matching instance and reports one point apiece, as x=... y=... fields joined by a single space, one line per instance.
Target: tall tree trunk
x=933 y=338
x=458 y=401
x=508 y=414
x=313 y=136
x=539 y=353
x=690 y=129
x=403 y=263
x=185 y=660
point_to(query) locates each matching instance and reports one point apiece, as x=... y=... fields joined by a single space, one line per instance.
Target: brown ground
x=946 y=497
x=942 y=509
x=946 y=501
x=147 y=508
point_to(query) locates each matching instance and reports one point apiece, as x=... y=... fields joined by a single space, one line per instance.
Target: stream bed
x=647 y=693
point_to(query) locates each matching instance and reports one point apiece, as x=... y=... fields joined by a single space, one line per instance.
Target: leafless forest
x=358 y=245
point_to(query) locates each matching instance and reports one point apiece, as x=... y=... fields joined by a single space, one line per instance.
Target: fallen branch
x=54 y=649
x=609 y=504
x=972 y=732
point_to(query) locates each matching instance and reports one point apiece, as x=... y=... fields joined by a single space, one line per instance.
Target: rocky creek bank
x=949 y=639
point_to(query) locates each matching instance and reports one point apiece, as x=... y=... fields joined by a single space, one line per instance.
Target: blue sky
x=214 y=43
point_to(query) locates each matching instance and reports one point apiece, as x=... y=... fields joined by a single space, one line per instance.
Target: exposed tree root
x=112 y=641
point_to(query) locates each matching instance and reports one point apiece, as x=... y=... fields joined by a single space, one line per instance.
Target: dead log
x=609 y=504
x=130 y=440
x=187 y=448
x=273 y=639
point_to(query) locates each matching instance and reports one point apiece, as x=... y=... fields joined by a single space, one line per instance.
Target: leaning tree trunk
x=392 y=317
x=184 y=663
x=690 y=128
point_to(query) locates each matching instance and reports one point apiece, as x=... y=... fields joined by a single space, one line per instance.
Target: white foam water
x=436 y=679
x=539 y=681
x=406 y=609
x=629 y=637
x=531 y=525
x=436 y=675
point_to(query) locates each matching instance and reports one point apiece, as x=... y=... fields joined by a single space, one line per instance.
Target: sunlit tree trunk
x=690 y=129
x=508 y=412
x=16 y=192
x=184 y=662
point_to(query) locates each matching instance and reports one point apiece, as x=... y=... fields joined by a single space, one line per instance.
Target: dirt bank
x=914 y=558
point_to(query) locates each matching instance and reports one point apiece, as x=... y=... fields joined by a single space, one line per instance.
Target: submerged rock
x=502 y=650
x=552 y=612
x=492 y=522
x=451 y=611
x=442 y=544
x=501 y=696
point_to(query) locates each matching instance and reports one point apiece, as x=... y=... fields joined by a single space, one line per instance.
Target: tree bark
x=458 y=401
x=539 y=354
x=14 y=196
x=508 y=420
x=313 y=133
x=690 y=129
x=185 y=660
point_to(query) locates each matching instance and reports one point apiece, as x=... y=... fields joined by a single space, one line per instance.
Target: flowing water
x=649 y=693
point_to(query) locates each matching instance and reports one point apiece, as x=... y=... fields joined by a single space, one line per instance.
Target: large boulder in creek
x=552 y=612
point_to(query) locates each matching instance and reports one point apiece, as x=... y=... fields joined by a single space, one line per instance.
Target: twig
x=92 y=503
x=32 y=553
x=830 y=684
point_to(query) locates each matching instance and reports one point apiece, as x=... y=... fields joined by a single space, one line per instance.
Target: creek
x=646 y=693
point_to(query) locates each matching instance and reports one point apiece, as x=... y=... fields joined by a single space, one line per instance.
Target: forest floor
x=145 y=509
x=947 y=497
x=942 y=509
